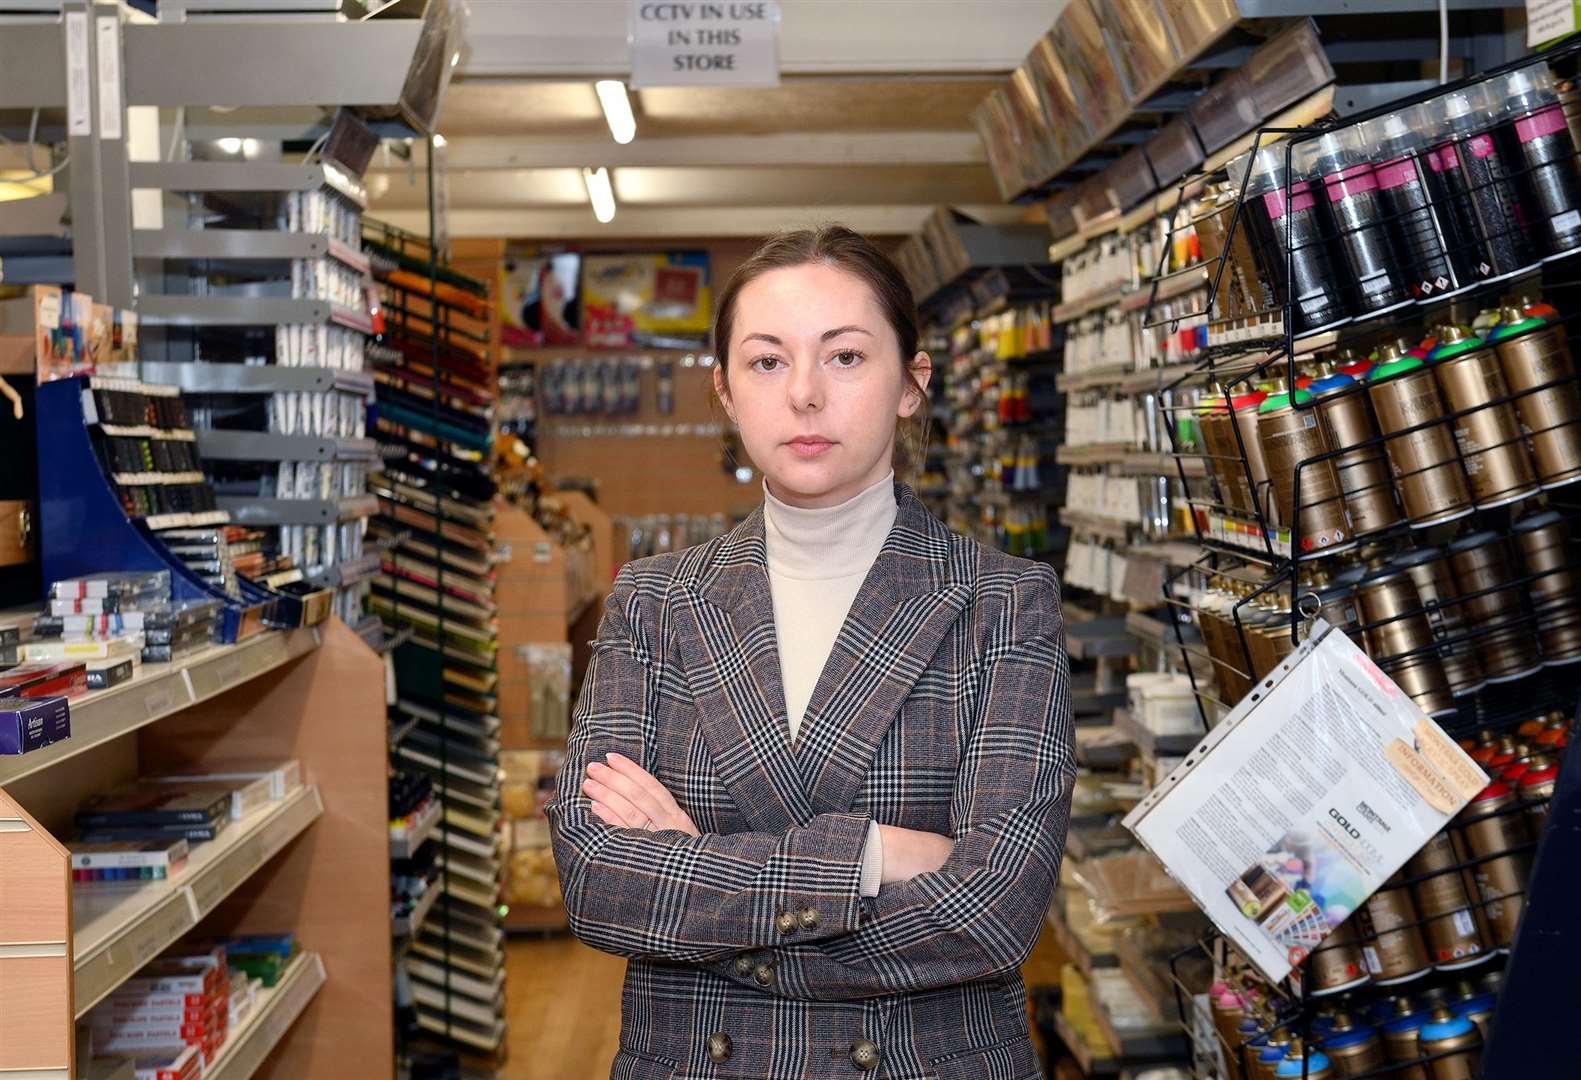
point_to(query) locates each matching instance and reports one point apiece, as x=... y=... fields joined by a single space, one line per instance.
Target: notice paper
x=1296 y=808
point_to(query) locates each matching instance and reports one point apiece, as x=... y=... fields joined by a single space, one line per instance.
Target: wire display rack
x=1430 y=515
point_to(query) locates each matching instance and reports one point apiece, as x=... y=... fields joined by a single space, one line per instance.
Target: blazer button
x=719 y=1048
x=763 y=975
x=786 y=922
x=743 y=965
x=809 y=919
x=864 y=1055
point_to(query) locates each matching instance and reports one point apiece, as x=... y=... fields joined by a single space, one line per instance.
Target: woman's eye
x=847 y=358
x=767 y=363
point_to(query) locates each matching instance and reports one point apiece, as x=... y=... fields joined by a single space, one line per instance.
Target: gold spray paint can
x=1353 y=1049
x=1435 y=587
x=1534 y=353
x=1224 y=458
x=1338 y=964
x=1363 y=466
x=1400 y=1040
x=1292 y=436
x=1449 y=925
x=1492 y=445
x=1537 y=791
x=1456 y=1037
x=1393 y=941
x=1481 y=564
x=1490 y=825
x=1544 y=541
x=1400 y=639
x=1427 y=471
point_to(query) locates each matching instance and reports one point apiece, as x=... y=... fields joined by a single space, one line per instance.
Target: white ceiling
x=870 y=124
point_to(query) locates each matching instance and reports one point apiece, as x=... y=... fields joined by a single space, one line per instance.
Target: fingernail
x=611 y=756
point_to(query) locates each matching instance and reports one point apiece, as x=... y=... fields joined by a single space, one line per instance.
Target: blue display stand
x=84 y=530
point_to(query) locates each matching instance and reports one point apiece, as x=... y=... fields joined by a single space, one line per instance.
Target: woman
x=820 y=770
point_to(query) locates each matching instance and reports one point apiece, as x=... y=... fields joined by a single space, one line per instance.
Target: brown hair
x=848 y=250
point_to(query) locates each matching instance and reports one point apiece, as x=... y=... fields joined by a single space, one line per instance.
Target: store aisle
x=579 y=988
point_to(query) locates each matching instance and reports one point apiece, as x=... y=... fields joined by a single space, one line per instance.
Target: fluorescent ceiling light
x=600 y=193
x=230 y=145
x=439 y=141
x=617 y=109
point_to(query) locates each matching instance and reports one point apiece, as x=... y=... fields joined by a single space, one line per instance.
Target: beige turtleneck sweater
x=817 y=561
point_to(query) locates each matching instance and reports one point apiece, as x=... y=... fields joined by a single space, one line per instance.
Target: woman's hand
x=627 y=796
x=909 y=852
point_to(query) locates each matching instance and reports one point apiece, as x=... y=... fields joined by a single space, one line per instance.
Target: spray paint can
x=1362 y=466
x=1338 y=964
x=1353 y=1048
x=1488 y=826
x=1448 y=924
x=1332 y=600
x=1456 y=1037
x=1266 y=1061
x=1537 y=791
x=1224 y=457
x=1243 y=413
x=1478 y=1007
x=1506 y=645
x=1425 y=234
x=1544 y=541
x=1534 y=353
x=1466 y=167
x=1400 y=639
x=1435 y=586
x=1400 y=1040
x=1291 y=436
x=1281 y=212
x=1339 y=164
x=1535 y=139
x=1392 y=943
x=1301 y=1062
x=1554 y=736
x=1431 y=482
x=1492 y=446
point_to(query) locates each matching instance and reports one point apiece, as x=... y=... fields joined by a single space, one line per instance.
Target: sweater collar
x=829 y=541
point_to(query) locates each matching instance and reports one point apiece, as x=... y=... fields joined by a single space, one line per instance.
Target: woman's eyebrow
x=830 y=335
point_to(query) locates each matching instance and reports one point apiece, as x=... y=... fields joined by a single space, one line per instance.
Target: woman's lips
x=809 y=447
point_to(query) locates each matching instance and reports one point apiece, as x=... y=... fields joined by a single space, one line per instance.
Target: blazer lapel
x=906 y=605
x=732 y=665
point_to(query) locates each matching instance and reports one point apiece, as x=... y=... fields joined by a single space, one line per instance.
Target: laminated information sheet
x=1295 y=809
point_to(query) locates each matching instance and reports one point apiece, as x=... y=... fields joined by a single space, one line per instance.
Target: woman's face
x=816 y=383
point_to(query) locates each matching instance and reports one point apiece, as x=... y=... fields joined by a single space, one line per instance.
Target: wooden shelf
x=117 y=932
x=276 y=1009
x=1102 y=527
x=160 y=691
x=404 y=842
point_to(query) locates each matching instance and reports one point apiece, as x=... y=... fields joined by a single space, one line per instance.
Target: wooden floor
x=563 y=1005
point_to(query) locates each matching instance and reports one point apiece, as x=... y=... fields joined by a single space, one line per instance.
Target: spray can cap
x=1526 y=88
x=1445 y=1025
x=1397 y=132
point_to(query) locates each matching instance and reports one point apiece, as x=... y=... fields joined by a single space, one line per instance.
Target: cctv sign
x=705 y=44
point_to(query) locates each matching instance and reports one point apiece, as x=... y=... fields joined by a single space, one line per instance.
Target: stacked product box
x=184 y=1064
x=33 y=697
x=115 y=621
x=180 y=1000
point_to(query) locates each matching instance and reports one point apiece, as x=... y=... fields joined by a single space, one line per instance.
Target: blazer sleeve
x=664 y=894
x=980 y=914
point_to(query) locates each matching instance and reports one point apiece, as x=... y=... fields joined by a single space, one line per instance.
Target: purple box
x=28 y=724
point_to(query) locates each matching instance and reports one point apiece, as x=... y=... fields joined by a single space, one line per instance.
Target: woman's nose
x=806 y=387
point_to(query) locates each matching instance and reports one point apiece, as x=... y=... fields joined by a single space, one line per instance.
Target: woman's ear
x=921 y=368
x=722 y=391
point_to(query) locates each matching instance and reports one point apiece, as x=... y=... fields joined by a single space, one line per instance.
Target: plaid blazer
x=944 y=706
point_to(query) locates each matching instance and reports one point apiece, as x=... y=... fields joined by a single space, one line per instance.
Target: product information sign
x=1302 y=802
x=728 y=43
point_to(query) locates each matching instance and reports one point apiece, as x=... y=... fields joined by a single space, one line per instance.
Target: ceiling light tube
x=601 y=193
x=617 y=109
